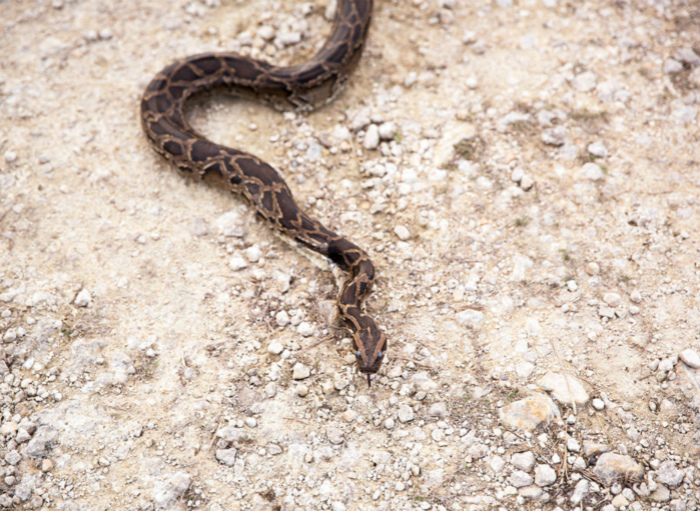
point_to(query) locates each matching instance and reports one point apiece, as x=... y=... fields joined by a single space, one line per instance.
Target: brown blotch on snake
x=299 y=87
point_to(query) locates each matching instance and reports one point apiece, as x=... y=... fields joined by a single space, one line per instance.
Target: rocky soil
x=524 y=174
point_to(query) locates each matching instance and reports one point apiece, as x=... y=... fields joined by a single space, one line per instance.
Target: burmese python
x=299 y=87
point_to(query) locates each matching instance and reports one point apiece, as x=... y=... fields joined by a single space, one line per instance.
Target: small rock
x=226 y=456
x=10 y=156
x=402 y=233
x=335 y=435
x=661 y=493
x=594 y=449
x=669 y=474
x=371 y=140
x=580 y=491
x=666 y=365
x=199 y=227
x=530 y=412
x=672 y=66
x=519 y=479
x=619 y=501
x=406 y=413
x=438 y=410
x=598 y=149
x=83 y=299
x=13 y=457
x=611 y=467
x=592 y=171
x=598 y=404
x=469 y=317
x=253 y=253
x=40 y=444
x=564 y=388
x=478 y=451
x=305 y=329
x=497 y=463
x=300 y=371
x=690 y=358
x=523 y=460
x=584 y=82
x=232 y=434
x=46 y=465
x=237 y=262
x=282 y=318
x=554 y=136
x=275 y=348
x=545 y=475
x=688 y=56
x=531 y=492
x=387 y=131
x=612 y=299
x=572 y=445
x=167 y=493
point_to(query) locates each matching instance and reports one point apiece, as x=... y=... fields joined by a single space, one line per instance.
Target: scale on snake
x=302 y=87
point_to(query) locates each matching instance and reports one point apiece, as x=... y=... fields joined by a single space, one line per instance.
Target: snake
x=300 y=87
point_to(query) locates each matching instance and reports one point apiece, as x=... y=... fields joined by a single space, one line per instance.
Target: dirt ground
x=531 y=207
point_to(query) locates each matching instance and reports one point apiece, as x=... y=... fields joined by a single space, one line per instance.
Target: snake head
x=370 y=345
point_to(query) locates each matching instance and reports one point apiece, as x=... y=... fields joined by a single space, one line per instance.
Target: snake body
x=299 y=87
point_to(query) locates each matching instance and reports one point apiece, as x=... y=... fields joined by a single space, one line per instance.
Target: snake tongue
x=369 y=382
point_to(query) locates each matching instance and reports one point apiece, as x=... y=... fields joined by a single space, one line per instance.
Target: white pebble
x=83 y=299
x=387 y=130
x=690 y=358
x=612 y=299
x=402 y=233
x=598 y=404
x=282 y=318
x=371 y=140
x=305 y=329
x=275 y=348
x=592 y=171
x=253 y=253
x=10 y=156
x=237 y=263
x=300 y=371
x=584 y=82
x=598 y=149
x=572 y=445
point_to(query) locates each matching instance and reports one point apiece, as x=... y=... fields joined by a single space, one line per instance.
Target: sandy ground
x=149 y=312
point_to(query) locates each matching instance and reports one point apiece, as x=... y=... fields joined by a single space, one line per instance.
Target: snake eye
x=381 y=354
x=358 y=354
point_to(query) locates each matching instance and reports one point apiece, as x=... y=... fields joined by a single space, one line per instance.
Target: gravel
x=525 y=195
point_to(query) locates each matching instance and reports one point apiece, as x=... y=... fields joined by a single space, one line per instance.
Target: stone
x=528 y=413
x=690 y=358
x=83 y=299
x=669 y=474
x=300 y=371
x=438 y=410
x=40 y=444
x=226 y=456
x=523 y=460
x=580 y=491
x=167 y=493
x=519 y=479
x=406 y=413
x=545 y=475
x=566 y=389
x=371 y=140
x=611 y=467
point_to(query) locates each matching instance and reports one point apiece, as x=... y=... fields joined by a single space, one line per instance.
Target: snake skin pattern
x=298 y=87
